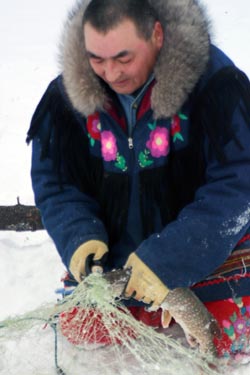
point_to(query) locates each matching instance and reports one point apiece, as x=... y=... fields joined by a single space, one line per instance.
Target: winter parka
x=175 y=189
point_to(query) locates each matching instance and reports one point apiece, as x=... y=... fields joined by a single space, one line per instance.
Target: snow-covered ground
x=30 y=268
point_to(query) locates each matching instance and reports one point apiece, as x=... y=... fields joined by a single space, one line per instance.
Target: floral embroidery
x=144 y=161
x=176 y=126
x=237 y=328
x=120 y=162
x=109 y=147
x=94 y=128
x=108 y=142
x=110 y=151
x=157 y=145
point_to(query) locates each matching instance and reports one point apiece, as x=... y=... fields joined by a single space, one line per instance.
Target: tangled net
x=103 y=336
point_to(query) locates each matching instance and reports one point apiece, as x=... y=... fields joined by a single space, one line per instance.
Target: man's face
x=122 y=58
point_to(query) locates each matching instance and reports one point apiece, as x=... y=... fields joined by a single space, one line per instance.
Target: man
x=141 y=154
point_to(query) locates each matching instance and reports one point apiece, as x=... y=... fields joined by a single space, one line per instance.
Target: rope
x=59 y=370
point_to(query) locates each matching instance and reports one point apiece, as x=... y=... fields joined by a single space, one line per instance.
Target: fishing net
x=102 y=337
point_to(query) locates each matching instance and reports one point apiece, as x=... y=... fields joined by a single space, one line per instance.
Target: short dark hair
x=105 y=15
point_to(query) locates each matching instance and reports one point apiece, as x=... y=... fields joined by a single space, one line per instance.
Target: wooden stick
x=20 y=218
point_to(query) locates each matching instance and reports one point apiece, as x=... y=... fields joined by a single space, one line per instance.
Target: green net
x=102 y=337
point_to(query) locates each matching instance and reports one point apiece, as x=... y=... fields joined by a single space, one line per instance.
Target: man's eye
x=96 y=60
x=124 y=61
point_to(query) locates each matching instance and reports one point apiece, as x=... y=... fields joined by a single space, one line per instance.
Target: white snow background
x=30 y=30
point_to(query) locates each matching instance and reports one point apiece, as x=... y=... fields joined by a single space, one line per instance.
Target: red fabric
x=81 y=326
x=233 y=316
x=152 y=319
x=75 y=325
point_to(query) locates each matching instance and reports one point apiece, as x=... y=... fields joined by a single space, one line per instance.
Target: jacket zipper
x=131 y=151
x=130 y=143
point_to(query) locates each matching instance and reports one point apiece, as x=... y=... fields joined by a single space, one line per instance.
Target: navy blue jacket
x=176 y=190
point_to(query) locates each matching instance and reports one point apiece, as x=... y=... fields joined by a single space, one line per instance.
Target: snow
x=235 y=224
x=30 y=31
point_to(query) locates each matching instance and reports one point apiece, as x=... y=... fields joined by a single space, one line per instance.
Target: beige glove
x=143 y=284
x=78 y=261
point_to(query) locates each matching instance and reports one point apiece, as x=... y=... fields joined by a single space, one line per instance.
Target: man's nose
x=112 y=71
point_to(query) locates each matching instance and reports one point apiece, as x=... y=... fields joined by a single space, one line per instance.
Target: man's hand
x=143 y=284
x=94 y=250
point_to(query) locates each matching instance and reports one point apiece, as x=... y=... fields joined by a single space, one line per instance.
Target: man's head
x=122 y=39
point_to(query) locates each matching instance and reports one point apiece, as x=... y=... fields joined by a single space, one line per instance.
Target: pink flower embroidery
x=158 y=142
x=240 y=326
x=109 y=147
x=226 y=324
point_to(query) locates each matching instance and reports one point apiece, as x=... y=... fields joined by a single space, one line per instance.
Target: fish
x=199 y=326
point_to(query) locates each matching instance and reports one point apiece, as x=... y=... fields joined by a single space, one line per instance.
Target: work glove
x=89 y=254
x=144 y=285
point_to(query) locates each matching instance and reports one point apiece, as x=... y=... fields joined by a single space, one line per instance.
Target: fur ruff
x=181 y=62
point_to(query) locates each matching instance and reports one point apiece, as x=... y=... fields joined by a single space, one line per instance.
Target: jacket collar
x=181 y=62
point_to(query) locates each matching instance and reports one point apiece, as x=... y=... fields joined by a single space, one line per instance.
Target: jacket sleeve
x=70 y=216
x=207 y=230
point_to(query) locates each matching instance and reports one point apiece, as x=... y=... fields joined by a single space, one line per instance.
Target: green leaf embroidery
x=143 y=159
x=233 y=318
x=178 y=136
x=120 y=162
x=152 y=126
x=91 y=140
x=229 y=331
x=182 y=116
x=238 y=301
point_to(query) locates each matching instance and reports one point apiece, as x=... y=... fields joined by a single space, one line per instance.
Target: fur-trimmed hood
x=181 y=62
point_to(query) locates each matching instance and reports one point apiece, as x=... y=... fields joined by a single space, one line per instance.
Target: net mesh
x=101 y=334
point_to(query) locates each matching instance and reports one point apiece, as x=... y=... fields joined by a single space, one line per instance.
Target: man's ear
x=158 y=35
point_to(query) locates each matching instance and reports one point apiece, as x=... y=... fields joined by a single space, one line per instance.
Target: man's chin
x=122 y=92
x=123 y=88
